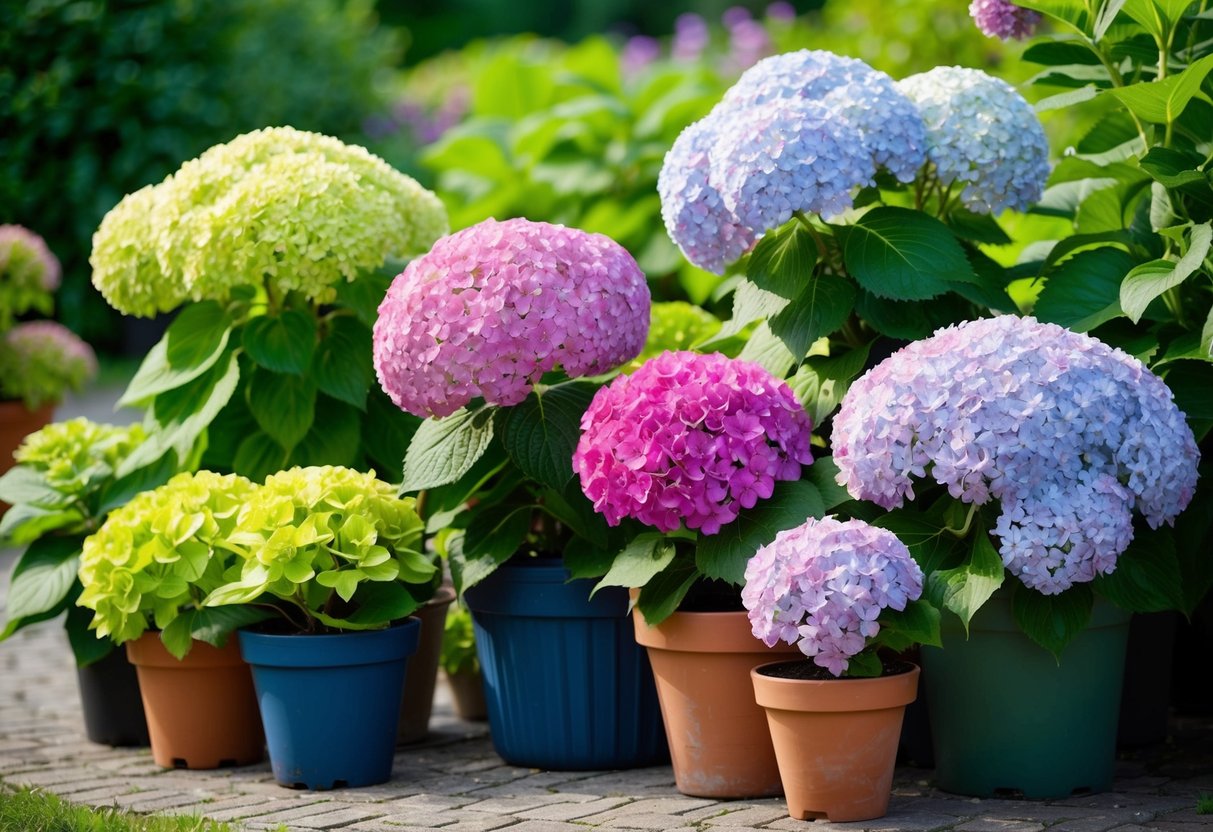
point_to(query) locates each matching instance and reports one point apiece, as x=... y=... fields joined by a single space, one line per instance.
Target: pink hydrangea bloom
x=493 y=307
x=1003 y=19
x=24 y=257
x=690 y=438
x=1067 y=433
x=822 y=586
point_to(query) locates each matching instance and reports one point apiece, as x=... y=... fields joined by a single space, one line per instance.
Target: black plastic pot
x=113 y=706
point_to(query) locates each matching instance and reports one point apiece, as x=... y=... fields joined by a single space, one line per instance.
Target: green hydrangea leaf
x=642 y=559
x=964 y=589
x=281 y=343
x=1052 y=621
x=443 y=450
x=342 y=366
x=192 y=345
x=541 y=433
x=43 y=576
x=660 y=597
x=724 y=555
x=900 y=254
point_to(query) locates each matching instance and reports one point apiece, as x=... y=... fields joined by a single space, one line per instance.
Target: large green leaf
x=1150 y=280
x=386 y=433
x=192 y=345
x=724 y=555
x=120 y=491
x=1147 y=577
x=380 y=603
x=639 y=562
x=933 y=546
x=917 y=624
x=821 y=308
x=823 y=380
x=1162 y=102
x=1073 y=13
x=364 y=295
x=22 y=485
x=281 y=343
x=541 y=433
x=783 y=259
x=43 y=577
x=443 y=450
x=491 y=539
x=1175 y=168
x=823 y=473
x=333 y=438
x=284 y=405
x=22 y=524
x=662 y=595
x=1084 y=291
x=258 y=455
x=768 y=350
x=904 y=255
x=1052 y=621
x=342 y=364
x=964 y=589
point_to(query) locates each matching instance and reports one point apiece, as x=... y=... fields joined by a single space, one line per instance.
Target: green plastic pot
x=1008 y=720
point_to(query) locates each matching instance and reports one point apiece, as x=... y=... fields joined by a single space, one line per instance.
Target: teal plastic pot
x=330 y=704
x=566 y=684
x=1008 y=720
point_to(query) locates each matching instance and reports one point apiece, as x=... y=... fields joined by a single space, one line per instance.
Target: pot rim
x=705 y=632
x=843 y=694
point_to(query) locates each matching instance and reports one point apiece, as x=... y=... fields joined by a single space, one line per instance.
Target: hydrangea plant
x=1041 y=445
x=270 y=247
x=62 y=488
x=29 y=274
x=840 y=590
x=42 y=360
x=157 y=557
x=331 y=548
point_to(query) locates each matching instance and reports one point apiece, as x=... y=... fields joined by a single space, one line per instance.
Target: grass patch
x=27 y=810
x=1204 y=804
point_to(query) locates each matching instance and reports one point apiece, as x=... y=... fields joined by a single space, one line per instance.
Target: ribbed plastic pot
x=112 y=703
x=836 y=740
x=567 y=686
x=421 y=677
x=719 y=743
x=201 y=710
x=1008 y=720
x=331 y=703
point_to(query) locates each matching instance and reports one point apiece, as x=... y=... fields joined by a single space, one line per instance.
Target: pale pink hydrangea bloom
x=493 y=307
x=1067 y=433
x=692 y=439
x=822 y=586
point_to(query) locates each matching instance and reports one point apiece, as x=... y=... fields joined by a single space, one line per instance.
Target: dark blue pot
x=330 y=703
x=567 y=686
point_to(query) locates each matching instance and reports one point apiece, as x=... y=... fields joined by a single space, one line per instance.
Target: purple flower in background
x=489 y=309
x=1067 y=433
x=690 y=438
x=748 y=43
x=1003 y=19
x=639 y=52
x=735 y=16
x=782 y=11
x=690 y=37
x=822 y=586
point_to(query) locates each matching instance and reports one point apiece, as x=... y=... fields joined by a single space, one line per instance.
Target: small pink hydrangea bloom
x=1003 y=19
x=493 y=307
x=690 y=438
x=822 y=586
x=1068 y=434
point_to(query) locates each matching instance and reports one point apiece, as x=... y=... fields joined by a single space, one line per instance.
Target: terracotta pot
x=836 y=740
x=201 y=710
x=719 y=743
x=467 y=688
x=422 y=673
x=17 y=422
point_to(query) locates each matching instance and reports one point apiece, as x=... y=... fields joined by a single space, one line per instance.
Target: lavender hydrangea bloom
x=889 y=123
x=709 y=234
x=690 y=438
x=788 y=155
x=1070 y=435
x=983 y=134
x=493 y=307
x=1003 y=19
x=822 y=586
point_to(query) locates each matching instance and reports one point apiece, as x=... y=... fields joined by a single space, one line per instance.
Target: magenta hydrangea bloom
x=1003 y=19
x=690 y=438
x=493 y=307
x=822 y=586
x=1068 y=434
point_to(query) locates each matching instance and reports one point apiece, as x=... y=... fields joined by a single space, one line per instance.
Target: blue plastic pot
x=567 y=686
x=330 y=704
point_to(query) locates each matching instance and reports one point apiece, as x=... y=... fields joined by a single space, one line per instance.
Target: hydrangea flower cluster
x=689 y=438
x=1003 y=19
x=1068 y=434
x=982 y=134
x=73 y=455
x=822 y=586
x=280 y=207
x=493 y=307
x=798 y=132
x=29 y=273
x=139 y=567
x=41 y=360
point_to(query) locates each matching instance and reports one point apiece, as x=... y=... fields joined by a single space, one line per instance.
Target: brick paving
x=454 y=782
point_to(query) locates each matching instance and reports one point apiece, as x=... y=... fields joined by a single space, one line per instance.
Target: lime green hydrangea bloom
x=71 y=456
x=160 y=554
x=279 y=207
x=673 y=326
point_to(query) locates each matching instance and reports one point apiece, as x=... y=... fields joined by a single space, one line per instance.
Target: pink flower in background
x=691 y=37
x=692 y=439
x=25 y=259
x=639 y=52
x=1003 y=19
x=493 y=307
x=822 y=586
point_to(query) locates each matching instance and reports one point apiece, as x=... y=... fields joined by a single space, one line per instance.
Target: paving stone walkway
x=454 y=782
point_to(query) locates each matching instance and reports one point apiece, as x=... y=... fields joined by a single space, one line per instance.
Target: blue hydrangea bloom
x=889 y=123
x=709 y=234
x=788 y=155
x=981 y=133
